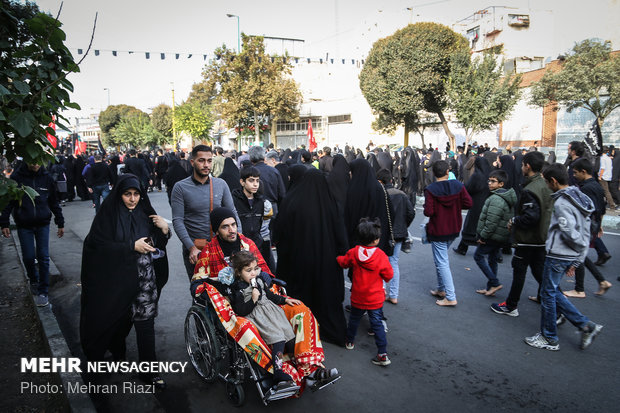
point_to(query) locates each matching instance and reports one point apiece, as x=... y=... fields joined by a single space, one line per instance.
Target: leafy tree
x=407 y=72
x=589 y=78
x=111 y=117
x=194 y=119
x=478 y=95
x=161 y=118
x=250 y=87
x=416 y=122
x=34 y=64
x=138 y=131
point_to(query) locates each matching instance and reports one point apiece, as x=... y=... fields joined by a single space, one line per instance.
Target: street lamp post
x=108 y=89
x=238 y=32
x=174 y=128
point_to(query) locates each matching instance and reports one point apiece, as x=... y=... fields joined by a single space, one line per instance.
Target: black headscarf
x=295 y=173
x=410 y=180
x=230 y=174
x=110 y=271
x=338 y=181
x=372 y=160
x=384 y=160
x=309 y=235
x=508 y=166
x=366 y=199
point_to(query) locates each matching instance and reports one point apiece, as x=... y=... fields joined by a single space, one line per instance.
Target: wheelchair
x=214 y=354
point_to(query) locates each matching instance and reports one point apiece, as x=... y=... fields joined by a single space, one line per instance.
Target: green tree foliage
x=161 y=118
x=195 y=119
x=589 y=78
x=407 y=72
x=251 y=87
x=34 y=64
x=478 y=95
x=111 y=117
x=139 y=132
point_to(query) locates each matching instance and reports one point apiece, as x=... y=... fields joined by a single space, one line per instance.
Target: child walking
x=251 y=299
x=492 y=230
x=370 y=267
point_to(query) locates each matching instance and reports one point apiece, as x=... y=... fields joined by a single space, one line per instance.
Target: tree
x=161 y=118
x=251 y=87
x=34 y=64
x=407 y=72
x=478 y=95
x=417 y=122
x=589 y=78
x=138 y=131
x=194 y=119
x=111 y=117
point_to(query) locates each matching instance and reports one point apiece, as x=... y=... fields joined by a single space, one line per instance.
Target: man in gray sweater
x=192 y=201
x=567 y=245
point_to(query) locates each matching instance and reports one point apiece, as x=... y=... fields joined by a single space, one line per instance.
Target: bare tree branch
x=92 y=37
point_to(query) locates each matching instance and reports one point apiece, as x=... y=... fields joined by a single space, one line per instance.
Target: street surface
x=463 y=359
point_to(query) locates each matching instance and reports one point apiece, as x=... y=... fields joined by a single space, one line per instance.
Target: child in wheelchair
x=252 y=299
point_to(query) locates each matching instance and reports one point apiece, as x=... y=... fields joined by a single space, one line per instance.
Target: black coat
x=251 y=217
x=478 y=189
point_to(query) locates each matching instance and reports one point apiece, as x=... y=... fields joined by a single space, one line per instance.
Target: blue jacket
x=39 y=213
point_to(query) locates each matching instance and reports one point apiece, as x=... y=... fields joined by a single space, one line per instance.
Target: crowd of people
x=322 y=212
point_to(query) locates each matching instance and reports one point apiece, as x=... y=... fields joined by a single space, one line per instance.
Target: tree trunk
x=406 y=140
x=274 y=138
x=446 y=129
x=256 y=129
x=422 y=137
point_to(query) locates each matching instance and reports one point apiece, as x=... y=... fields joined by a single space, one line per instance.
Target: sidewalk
x=29 y=331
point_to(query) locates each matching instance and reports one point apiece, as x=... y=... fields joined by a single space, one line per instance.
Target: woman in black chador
x=366 y=198
x=124 y=268
x=478 y=188
x=309 y=236
x=230 y=174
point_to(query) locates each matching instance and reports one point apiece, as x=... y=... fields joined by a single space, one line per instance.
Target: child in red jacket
x=370 y=267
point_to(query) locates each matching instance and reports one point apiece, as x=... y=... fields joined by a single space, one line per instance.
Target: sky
x=334 y=28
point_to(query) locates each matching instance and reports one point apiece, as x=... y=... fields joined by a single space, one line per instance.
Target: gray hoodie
x=569 y=231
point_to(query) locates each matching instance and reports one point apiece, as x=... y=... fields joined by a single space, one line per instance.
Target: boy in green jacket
x=492 y=230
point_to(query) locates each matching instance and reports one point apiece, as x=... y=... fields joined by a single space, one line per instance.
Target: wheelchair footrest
x=281 y=390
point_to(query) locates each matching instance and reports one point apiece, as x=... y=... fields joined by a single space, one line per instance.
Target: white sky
x=340 y=28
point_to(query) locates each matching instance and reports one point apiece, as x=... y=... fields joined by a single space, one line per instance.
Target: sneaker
x=539 y=341
x=589 y=334
x=560 y=320
x=381 y=360
x=502 y=308
x=41 y=300
x=349 y=346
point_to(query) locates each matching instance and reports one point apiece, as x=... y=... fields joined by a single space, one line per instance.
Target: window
x=339 y=119
x=519 y=20
x=473 y=35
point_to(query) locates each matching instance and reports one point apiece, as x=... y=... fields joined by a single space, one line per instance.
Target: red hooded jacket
x=370 y=268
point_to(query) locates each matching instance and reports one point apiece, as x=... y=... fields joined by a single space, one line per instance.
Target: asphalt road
x=443 y=359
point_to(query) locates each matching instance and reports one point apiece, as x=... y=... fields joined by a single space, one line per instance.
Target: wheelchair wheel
x=201 y=343
x=235 y=393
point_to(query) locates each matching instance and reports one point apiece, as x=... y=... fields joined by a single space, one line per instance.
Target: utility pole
x=174 y=129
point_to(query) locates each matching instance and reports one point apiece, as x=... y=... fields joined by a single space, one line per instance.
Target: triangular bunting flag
x=113 y=52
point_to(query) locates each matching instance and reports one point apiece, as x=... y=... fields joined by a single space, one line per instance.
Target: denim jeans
x=100 y=191
x=442 y=265
x=554 y=302
x=489 y=265
x=392 y=286
x=40 y=236
x=375 y=317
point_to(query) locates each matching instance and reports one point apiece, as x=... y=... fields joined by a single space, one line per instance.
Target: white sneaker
x=41 y=300
x=540 y=341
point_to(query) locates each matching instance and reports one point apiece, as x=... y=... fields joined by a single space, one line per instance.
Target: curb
x=78 y=402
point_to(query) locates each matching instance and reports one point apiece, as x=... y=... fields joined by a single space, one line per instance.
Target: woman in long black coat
x=122 y=275
x=478 y=189
x=309 y=236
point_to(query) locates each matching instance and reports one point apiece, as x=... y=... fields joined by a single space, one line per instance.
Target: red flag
x=51 y=138
x=311 y=141
x=80 y=147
